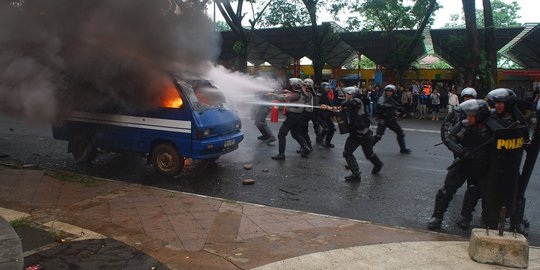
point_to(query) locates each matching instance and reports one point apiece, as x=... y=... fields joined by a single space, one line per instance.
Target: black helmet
x=391 y=88
x=477 y=107
x=469 y=91
x=508 y=96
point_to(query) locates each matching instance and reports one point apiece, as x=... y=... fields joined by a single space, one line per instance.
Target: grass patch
x=84 y=180
x=17 y=223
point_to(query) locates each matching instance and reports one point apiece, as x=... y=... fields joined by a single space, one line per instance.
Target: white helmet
x=295 y=82
x=391 y=88
x=469 y=91
x=352 y=90
x=309 y=82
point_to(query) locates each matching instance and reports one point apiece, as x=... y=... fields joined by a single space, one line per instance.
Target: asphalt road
x=401 y=195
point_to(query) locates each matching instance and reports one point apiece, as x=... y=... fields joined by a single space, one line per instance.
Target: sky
x=528 y=12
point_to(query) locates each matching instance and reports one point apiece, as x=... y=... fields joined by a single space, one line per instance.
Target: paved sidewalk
x=184 y=231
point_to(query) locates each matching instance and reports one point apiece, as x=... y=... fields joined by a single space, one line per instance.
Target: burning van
x=193 y=121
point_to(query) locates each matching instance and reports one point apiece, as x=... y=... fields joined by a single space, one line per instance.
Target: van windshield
x=204 y=95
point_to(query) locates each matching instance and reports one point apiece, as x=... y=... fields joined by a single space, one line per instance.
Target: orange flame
x=171 y=98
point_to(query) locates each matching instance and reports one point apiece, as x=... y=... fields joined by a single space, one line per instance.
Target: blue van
x=194 y=123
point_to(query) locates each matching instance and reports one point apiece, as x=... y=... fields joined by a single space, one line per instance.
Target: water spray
x=282 y=104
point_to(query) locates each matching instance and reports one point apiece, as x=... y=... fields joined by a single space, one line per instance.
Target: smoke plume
x=57 y=55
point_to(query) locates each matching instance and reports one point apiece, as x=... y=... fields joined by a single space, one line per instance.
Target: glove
x=456 y=148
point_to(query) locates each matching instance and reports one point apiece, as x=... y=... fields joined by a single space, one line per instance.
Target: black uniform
x=472 y=194
x=359 y=135
x=307 y=115
x=293 y=122
x=261 y=112
x=325 y=120
x=316 y=117
x=470 y=164
x=387 y=118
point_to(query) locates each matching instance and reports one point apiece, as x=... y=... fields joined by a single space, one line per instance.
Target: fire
x=171 y=98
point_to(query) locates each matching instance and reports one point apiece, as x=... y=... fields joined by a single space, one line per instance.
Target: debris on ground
x=248 y=166
x=248 y=181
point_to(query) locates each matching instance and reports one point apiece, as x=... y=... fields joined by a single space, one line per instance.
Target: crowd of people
x=468 y=130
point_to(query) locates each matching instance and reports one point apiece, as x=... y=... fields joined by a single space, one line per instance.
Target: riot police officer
x=260 y=113
x=387 y=105
x=325 y=117
x=455 y=116
x=508 y=115
x=472 y=193
x=308 y=91
x=467 y=141
x=359 y=133
x=294 y=119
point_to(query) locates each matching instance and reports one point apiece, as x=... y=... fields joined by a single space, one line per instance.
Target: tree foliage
x=234 y=18
x=364 y=63
x=222 y=26
x=504 y=15
x=286 y=14
x=387 y=15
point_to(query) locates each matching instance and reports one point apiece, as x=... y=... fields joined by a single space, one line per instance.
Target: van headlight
x=203 y=133
x=238 y=125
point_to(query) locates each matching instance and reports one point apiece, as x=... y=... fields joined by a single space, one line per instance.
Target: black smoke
x=57 y=55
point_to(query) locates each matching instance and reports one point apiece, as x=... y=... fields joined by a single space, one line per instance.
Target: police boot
x=469 y=203
x=402 y=148
x=353 y=165
x=306 y=149
x=327 y=143
x=441 y=204
x=321 y=139
x=377 y=164
x=376 y=139
x=516 y=220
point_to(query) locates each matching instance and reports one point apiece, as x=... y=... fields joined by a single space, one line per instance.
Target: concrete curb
x=11 y=252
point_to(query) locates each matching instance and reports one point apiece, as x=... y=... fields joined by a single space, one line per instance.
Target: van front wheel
x=166 y=159
x=82 y=149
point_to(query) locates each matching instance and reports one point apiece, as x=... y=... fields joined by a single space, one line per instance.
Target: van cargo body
x=166 y=135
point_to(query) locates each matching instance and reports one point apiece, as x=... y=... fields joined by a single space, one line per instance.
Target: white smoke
x=241 y=89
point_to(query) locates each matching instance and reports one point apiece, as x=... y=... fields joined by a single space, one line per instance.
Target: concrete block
x=508 y=250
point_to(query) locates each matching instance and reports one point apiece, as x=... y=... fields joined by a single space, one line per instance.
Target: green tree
x=383 y=15
x=504 y=15
x=234 y=20
x=304 y=13
x=365 y=63
x=222 y=26
x=285 y=14
x=390 y=15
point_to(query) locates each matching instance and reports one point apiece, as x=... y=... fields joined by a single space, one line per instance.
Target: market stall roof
x=381 y=46
x=526 y=50
x=451 y=44
x=280 y=46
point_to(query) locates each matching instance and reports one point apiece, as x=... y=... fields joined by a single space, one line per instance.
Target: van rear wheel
x=81 y=148
x=166 y=159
